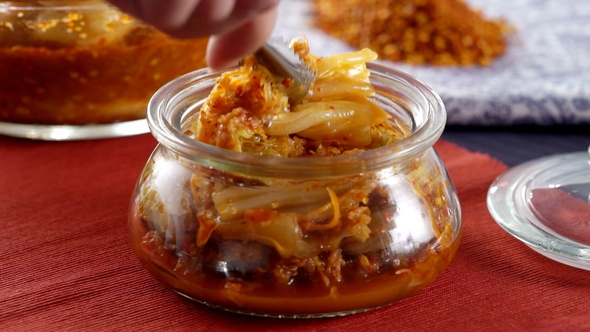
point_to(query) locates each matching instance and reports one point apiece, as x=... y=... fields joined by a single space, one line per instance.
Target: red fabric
x=66 y=262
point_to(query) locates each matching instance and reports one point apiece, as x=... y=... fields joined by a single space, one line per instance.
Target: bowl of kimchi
x=82 y=69
x=332 y=206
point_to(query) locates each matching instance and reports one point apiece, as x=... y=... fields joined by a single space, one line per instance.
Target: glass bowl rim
x=165 y=127
x=56 y=5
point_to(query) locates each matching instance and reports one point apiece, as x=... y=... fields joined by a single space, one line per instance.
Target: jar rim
x=59 y=5
x=165 y=120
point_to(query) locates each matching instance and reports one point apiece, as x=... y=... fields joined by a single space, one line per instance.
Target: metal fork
x=281 y=60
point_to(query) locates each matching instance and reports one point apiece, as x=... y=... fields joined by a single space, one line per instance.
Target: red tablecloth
x=66 y=262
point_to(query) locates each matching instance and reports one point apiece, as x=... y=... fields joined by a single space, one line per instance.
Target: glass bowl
x=545 y=203
x=225 y=228
x=82 y=69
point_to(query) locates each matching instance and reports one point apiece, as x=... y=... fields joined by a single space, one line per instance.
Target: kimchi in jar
x=76 y=69
x=332 y=206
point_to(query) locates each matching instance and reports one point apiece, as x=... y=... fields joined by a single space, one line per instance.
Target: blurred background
x=533 y=100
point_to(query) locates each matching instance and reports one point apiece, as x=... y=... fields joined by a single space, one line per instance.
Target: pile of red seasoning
x=434 y=32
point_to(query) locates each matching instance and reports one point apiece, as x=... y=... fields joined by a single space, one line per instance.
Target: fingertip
x=218 y=58
x=226 y=50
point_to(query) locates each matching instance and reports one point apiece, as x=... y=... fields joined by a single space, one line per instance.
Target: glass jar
x=78 y=69
x=226 y=228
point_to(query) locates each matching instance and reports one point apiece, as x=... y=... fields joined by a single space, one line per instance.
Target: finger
x=204 y=23
x=227 y=49
x=165 y=15
x=195 y=18
x=213 y=11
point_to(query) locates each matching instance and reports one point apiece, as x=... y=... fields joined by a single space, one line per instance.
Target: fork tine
x=281 y=60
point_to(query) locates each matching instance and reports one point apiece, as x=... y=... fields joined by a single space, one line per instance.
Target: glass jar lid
x=545 y=203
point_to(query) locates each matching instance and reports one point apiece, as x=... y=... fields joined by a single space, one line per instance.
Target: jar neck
x=178 y=102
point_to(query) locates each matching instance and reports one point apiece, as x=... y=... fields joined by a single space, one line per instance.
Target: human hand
x=236 y=27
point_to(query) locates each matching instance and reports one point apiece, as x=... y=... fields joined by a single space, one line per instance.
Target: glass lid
x=545 y=203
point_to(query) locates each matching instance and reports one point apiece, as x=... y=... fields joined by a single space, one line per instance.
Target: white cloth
x=543 y=79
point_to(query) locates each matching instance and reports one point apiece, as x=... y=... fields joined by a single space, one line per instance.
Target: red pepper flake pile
x=417 y=32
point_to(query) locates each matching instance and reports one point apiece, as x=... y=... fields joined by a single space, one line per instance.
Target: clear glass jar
x=224 y=228
x=77 y=69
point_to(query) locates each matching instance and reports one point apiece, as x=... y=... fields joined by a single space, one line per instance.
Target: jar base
x=74 y=132
x=280 y=315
